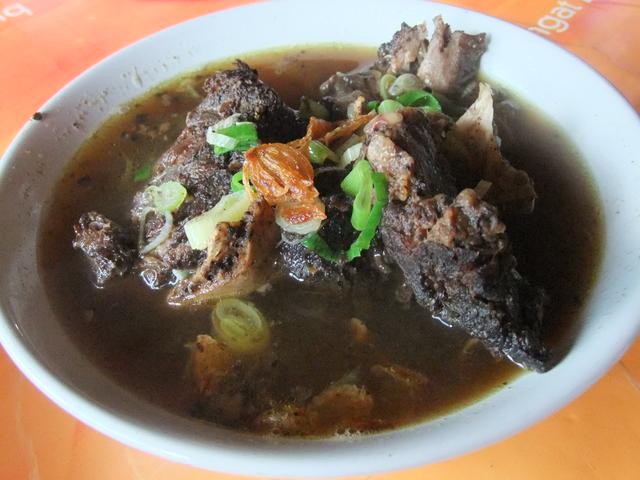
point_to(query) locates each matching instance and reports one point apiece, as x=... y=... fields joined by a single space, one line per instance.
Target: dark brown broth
x=130 y=332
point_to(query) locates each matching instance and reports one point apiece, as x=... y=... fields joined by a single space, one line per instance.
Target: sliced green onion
x=380 y=187
x=317 y=244
x=222 y=143
x=404 y=83
x=350 y=155
x=143 y=173
x=352 y=183
x=227 y=122
x=230 y=208
x=236 y=182
x=162 y=235
x=385 y=82
x=319 y=152
x=241 y=326
x=420 y=98
x=311 y=108
x=240 y=136
x=372 y=105
x=168 y=196
x=363 y=242
x=362 y=206
x=389 y=106
x=359 y=184
x=349 y=142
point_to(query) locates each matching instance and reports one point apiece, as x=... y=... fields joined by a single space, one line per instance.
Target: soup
x=350 y=345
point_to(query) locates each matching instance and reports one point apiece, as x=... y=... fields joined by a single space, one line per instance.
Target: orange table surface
x=46 y=43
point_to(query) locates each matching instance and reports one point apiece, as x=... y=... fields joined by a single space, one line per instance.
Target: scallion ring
x=167 y=196
x=420 y=98
x=385 y=82
x=241 y=326
x=162 y=235
x=319 y=152
x=389 y=106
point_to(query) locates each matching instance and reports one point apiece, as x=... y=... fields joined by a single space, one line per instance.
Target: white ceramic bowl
x=606 y=131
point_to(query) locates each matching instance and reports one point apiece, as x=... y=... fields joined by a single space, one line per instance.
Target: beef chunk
x=238 y=259
x=455 y=254
x=448 y=65
x=404 y=52
x=457 y=257
x=240 y=91
x=342 y=89
x=403 y=145
x=206 y=176
x=108 y=247
x=451 y=62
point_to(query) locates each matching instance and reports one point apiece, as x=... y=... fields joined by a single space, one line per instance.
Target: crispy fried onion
x=345 y=129
x=283 y=175
x=329 y=132
x=316 y=128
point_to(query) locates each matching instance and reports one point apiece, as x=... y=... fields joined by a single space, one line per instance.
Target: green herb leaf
x=311 y=108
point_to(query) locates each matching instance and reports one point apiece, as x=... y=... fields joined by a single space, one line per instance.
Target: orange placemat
x=46 y=43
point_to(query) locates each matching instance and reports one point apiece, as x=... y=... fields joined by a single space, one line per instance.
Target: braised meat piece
x=107 y=245
x=451 y=62
x=448 y=63
x=238 y=259
x=206 y=176
x=405 y=51
x=455 y=254
x=240 y=91
x=404 y=146
x=342 y=89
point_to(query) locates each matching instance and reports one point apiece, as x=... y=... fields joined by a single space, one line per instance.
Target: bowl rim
x=269 y=456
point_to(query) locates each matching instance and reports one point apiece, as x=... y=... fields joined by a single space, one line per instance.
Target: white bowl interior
x=602 y=125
